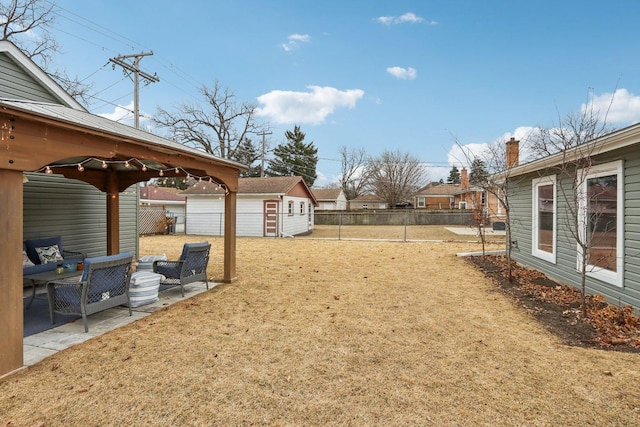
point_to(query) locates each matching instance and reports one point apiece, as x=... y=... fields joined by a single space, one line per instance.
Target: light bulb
x=161 y=172
x=48 y=170
x=144 y=168
x=104 y=164
x=80 y=167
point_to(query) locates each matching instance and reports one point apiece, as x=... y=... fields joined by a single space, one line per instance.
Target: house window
x=483 y=198
x=421 y=203
x=544 y=228
x=462 y=205
x=290 y=211
x=301 y=208
x=602 y=222
x=365 y=206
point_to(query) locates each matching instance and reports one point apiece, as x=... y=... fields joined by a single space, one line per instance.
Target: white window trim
x=535 y=219
x=612 y=277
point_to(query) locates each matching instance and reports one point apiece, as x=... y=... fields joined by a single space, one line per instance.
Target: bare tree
x=217 y=126
x=354 y=173
x=396 y=176
x=26 y=24
x=574 y=140
x=499 y=163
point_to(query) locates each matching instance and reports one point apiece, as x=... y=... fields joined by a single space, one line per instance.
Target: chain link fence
x=403 y=225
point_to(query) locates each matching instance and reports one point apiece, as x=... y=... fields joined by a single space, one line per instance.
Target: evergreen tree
x=454 y=176
x=247 y=153
x=294 y=157
x=479 y=173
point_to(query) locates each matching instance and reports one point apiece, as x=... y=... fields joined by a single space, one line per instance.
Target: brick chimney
x=464 y=178
x=513 y=153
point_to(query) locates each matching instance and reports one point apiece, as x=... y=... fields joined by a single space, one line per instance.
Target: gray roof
x=89 y=121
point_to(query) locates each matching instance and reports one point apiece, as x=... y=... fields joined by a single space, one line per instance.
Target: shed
x=266 y=207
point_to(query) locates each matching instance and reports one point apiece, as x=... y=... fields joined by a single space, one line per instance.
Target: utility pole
x=135 y=69
x=263 y=133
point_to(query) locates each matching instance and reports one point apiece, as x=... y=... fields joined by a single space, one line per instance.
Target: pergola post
x=230 y=237
x=113 y=215
x=11 y=305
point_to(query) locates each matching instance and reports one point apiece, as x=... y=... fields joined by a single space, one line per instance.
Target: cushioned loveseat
x=44 y=254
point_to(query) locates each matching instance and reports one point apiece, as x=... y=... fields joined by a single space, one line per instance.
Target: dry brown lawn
x=327 y=332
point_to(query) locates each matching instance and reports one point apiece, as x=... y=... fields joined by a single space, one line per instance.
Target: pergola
x=108 y=155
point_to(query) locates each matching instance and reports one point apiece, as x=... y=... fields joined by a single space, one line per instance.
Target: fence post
x=405 y=225
x=339 y=225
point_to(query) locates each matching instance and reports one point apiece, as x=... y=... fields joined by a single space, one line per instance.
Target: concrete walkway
x=40 y=346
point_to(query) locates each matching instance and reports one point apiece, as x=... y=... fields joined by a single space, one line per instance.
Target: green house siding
x=15 y=83
x=565 y=268
x=56 y=206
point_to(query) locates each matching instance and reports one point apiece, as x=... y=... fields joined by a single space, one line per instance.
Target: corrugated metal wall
x=565 y=269
x=54 y=205
x=16 y=84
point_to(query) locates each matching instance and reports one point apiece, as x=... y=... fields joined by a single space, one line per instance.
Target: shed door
x=271 y=218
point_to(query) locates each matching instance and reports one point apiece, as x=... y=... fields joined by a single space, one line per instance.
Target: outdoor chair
x=104 y=284
x=190 y=268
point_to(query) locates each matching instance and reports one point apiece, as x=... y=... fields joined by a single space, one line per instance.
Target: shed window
x=290 y=210
x=602 y=222
x=301 y=208
x=544 y=229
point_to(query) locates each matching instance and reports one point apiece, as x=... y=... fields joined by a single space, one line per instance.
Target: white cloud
x=402 y=73
x=457 y=155
x=619 y=107
x=124 y=114
x=295 y=40
x=306 y=107
x=462 y=155
x=408 y=17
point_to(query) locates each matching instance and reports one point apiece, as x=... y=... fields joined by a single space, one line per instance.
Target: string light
x=132 y=162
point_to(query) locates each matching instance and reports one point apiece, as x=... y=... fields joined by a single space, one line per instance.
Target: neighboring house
x=330 y=199
x=437 y=196
x=367 y=202
x=476 y=198
x=266 y=207
x=169 y=200
x=540 y=231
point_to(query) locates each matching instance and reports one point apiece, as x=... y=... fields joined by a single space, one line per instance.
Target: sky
x=416 y=76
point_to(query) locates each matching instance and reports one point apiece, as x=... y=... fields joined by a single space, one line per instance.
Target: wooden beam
x=230 y=237
x=34 y=144
x=113 y=215
x=11 y=305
